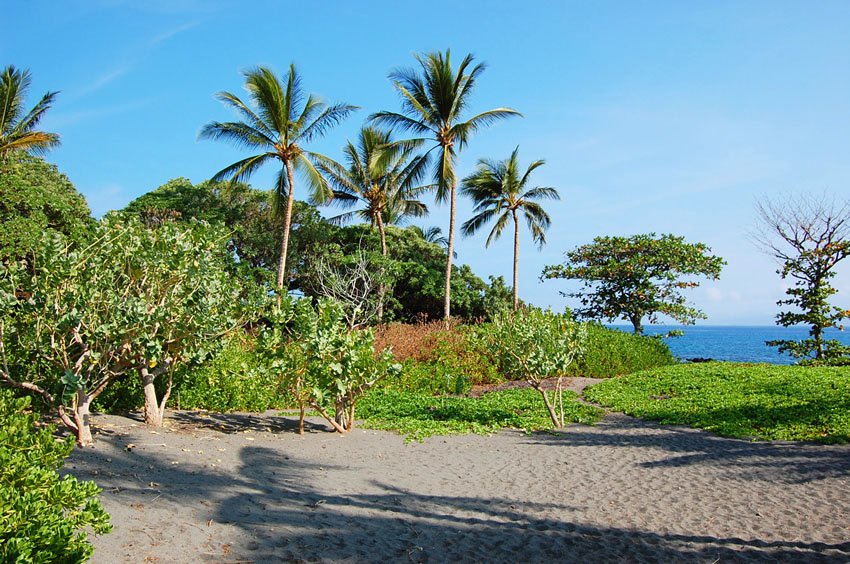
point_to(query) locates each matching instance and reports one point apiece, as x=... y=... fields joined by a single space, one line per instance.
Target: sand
x=248 y=488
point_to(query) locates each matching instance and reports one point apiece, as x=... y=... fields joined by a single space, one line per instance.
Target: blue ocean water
x=734 y=343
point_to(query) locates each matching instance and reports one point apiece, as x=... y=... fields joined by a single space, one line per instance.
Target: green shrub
x=234 y=380
x=760 y=401
x=43 y=518
x=418 y=416
x=609 y=352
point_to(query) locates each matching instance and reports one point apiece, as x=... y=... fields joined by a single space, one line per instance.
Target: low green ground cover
x=757 y=401
x=418 y=416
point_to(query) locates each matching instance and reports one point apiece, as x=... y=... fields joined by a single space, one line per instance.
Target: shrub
x=438 y=361
x=534 y=345
x=609 y=352
x=321 y=361
x=234 y=380
x=43 y=518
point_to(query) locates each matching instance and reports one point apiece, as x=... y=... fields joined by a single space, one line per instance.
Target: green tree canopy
x=35 y=197
x=637 y=277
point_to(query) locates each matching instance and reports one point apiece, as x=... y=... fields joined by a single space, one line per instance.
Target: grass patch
x=418 y=416
x=755 y=401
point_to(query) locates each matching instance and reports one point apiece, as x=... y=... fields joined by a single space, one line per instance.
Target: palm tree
x=278 y=122
x=17 y=129
x=434 y=99
x=500 y=193
x=383 y=177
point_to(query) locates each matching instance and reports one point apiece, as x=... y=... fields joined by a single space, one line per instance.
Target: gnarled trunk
x=82 y=419
x=155 y=410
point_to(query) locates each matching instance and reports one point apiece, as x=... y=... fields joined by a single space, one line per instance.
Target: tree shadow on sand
x=286 y=509
x=784 y=462
x=241 y=422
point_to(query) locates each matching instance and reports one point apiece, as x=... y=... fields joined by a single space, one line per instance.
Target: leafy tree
x=279 y=122
x=434 y=98
x=136 y=300
x=44 y=517
x=635 y=277
x=325 y=364
x=17 y=127
x=500 y=193
x=535 y=345
x=809 y=236
x=36 y=197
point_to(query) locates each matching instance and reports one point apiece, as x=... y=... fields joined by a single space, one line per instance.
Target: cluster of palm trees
x=384 y=175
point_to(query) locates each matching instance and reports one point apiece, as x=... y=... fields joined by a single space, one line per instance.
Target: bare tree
x=809 y=235
x=354 y=283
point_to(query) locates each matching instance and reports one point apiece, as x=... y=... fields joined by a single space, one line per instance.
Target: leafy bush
x=534 y=345
x=43 y=518
x=323 y=363
x=234 y=380
x=609 y=352
x=419 y=416
x=759 y=401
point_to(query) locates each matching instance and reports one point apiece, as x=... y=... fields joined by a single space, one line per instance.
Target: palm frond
x=242 y=170
x=328 y=118
x=237 y=133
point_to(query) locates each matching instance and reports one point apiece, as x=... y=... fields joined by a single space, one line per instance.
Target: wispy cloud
x=103 y=80
x=168 y=34
x=67 y=119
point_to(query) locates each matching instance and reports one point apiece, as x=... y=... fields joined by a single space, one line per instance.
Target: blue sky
x=652 y=116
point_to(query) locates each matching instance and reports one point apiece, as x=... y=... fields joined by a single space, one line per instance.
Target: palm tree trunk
x=516 y=261
x=381 y=289
x=451 y=250
x=287 y=222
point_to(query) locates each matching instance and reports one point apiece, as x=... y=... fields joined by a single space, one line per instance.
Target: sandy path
x=206 y=490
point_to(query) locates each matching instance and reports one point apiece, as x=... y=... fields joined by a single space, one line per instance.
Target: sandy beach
x=247 y=488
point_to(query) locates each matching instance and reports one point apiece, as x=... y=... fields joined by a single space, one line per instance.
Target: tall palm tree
x=278 y=122
x=17 y=128
x=434 y=99
x=383 y=177
x=500 y=193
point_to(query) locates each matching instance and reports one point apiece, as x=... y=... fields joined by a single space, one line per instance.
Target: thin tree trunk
x=287 y=223
x=381 y=289
x=451 y=250
x=549 y=407
x=516 y=261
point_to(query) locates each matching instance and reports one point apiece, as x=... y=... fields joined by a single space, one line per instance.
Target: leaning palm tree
x=500 y=193
x=383 y=177
x=434 y=99
x=17 y=127
x=278 y=122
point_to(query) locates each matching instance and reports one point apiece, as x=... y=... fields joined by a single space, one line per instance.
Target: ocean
x=734 y=343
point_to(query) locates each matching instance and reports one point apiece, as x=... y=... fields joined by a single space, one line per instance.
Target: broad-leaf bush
x=135 y=300
x=322 y=362
x=43 y=518
x=535 y=345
